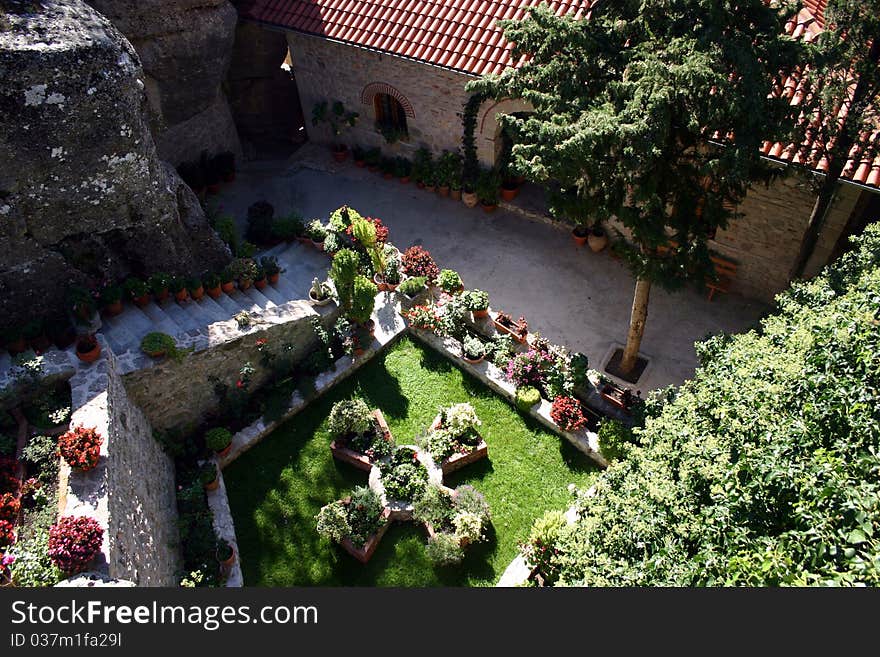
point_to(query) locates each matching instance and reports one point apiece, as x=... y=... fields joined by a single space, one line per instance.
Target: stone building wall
x=179 y=395
x=325 y=70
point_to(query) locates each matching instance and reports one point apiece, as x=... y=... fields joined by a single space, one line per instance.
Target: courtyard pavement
x=570 y=295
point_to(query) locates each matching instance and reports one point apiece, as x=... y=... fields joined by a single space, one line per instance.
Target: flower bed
x=356 y=522
x=453 y=440
x=347 y=450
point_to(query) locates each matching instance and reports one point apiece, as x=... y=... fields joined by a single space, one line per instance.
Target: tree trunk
x=637 y=320
x=817 y=220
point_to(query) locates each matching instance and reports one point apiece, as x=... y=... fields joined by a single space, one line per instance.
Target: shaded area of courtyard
x=570 y=295
x=277 y=488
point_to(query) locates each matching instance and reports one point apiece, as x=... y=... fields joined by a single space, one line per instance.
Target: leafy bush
x=476 y=300
x=42 y=453
x=403 y=476
x=162 y=343
x=218 y=438
x=10 y=504
x=468 y=499
x=363 y=300
x=423 y=317
x=566 y=412
x=526 y=397
x=412 y=286
x=349 y=416
x=316 y=231
x=449 y=281
x=33 y=566
x=444 y=550
x=501 y=349
x=418 y=262
x=287 y=227
x=458 y=419
x=468 y=526
x=614 y=439
x=439 y=444
x=50 y=408
x=473 y=348
x=542 y=550
x=73 y=542
x=333 y=521
x=762 y=470
x=364 y=514
x=80 y=447
x=580 y=365
x=343 y=271
x=433 y=506
x=342 y=218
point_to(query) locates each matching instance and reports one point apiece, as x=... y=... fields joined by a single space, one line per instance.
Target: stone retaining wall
x=178 y=395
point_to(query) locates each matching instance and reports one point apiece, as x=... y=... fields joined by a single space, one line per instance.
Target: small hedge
x=526 y=397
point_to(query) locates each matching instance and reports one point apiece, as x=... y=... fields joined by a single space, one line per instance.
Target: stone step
x=258 y=298
x=228 y=305
x=286 y=289
x=201 y=315
x=162 y=322
x=115 y=329
x=217 y=312
x=272 y=293
x=185 y=320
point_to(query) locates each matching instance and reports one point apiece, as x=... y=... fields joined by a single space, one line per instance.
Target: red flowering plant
x=7 y=533
x=566 y=412
x=74 y=541
x=80 y=447
x=418 y=262
x=381 y=230
x=9 y=482
x=9 y=507
x=423 y=317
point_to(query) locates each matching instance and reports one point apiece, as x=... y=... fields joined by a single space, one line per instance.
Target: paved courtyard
x=568 y=294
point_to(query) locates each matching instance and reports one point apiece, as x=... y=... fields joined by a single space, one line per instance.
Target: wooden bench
x=725 y=270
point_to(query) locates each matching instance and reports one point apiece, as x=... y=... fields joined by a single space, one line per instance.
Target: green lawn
x=276 y=488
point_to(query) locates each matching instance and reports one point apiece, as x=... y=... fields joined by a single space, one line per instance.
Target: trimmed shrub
x=218 y=439
x=526 y=397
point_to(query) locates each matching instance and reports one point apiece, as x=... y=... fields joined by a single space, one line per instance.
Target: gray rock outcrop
x=185 y=47
x=83 y=194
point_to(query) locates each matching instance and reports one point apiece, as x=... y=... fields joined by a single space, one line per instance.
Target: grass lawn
x=276 y=488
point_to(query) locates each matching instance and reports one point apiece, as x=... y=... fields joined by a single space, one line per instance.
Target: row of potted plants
x=205 y=174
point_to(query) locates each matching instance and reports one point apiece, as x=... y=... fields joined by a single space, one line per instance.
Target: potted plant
x=421 y=168
x=580 y=233
x=177 y=287
x=339 y=119
x=260 y=280
x=402 y=169
x=61 y=332
x=138 y=291
x=73 y=543
x=430 y=177
x=208 y=476
x=80 y=447
x=417 y=261
x=195 y=287
x=567 y=414
x=477 y=302
x=317 y=233
x=225 y=553
x=357 y=154
x=363 y=301
x=34 y=332
x=386 y=166
x=449 y=281
x=320 y=293
x=82 y=302
x=527 y=397
x=219 y=439
x=487 y=189
x=455 y=189
x=372 y=158
x=211 y=283
x=473 y=350
x=227 y=280
x=111 y=300
x=411 y=287
x=509 y=187
x=597 y=239
x=286 y=227
x=245 y=271
x=272 y=268
x=519 y=329
x=88 y=349
x=158 y=283
x=157 y=345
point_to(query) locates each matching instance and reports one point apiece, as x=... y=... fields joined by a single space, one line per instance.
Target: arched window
x=390 y=117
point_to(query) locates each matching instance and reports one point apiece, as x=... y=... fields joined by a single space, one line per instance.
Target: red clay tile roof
x=463 y=35
x=457 y=34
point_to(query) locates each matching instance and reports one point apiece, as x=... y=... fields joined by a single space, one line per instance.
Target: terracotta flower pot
x=229 y=177
x=580 y=238
x=317 y=245
x=340 y=155
x=87 y=355
x=443 y=190
x=16 y=346
x=380 y=283
x=430 y=188
x=473 y=361
x=158 y=353
x=228 y=287
x=273 y=278
x=215 y=292
x=142 y=300
x=161 y=295
x=373 y=168
x=198 y=293
x=244 y=284
x=113 y=309
x=214 y=485
x=181 y=296
x=404 y=180
x=387 y=175
x=487 y=207
x=261 y=283
x=223 y=452
x=509 y=193
x=227 y=563
x=597 y=240
x=469 y=199
x=480 y=314
x=455 y=194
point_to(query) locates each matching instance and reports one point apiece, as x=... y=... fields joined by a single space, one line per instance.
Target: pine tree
x=651 y=112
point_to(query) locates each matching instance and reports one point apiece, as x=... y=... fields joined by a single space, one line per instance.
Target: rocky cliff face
x=185 y=47
x=83 y=194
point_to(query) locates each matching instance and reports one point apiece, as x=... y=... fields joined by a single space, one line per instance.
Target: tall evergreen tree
x=650 y=111
x=846 y=79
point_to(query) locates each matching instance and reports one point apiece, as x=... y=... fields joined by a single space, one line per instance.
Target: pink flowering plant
x=74 y=541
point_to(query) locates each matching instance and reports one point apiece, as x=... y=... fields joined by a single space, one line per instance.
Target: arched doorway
x=390 y=118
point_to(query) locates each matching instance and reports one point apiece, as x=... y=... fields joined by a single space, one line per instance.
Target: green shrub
x=333 y=521
x=761 y=471
x=343 y=270
x=287 y=227
x=526 y=397
x=363 y=300
x=403 y=477
x=476 y=300
x=218 y=439
x=433 y=506
x=542 y=551
x=412 y=286
x=449 y=280
x=42 y=453
x=33 y=566
x=349 y=416
x=614 y=439
x=444 y=550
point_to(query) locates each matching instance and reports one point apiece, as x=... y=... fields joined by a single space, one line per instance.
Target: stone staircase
x=125 y=331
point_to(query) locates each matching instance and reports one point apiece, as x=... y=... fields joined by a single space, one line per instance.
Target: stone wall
x=180 y=395
x=131 y=492
x=83 y=194
x=185 y=47
x=325 y=70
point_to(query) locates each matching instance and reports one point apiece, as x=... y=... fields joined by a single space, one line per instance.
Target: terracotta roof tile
x=464 y=35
